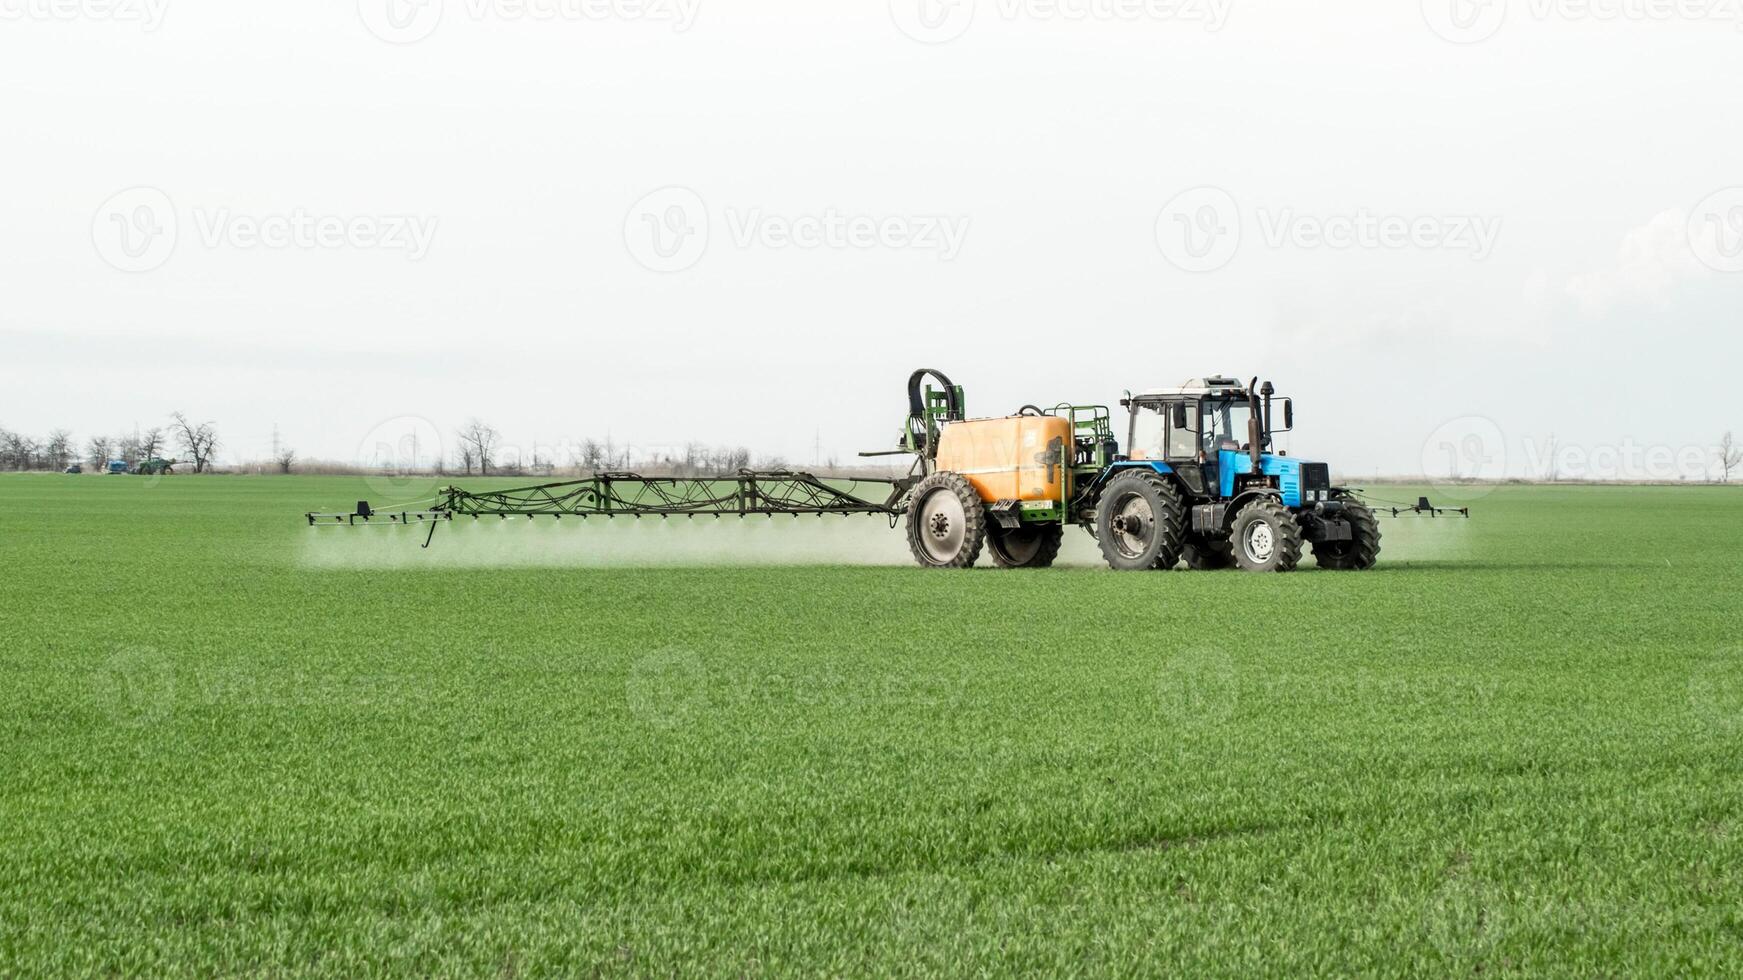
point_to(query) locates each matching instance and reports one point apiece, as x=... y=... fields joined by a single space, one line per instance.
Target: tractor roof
x=1214 y=384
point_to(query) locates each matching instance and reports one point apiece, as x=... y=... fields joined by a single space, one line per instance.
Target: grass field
x=231 y=746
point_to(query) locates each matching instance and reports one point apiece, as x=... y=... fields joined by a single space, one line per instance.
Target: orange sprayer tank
x=1021 y=457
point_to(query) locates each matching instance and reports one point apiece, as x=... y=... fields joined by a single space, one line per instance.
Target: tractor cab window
x=1148 y=427
x=1155 y=434
x=1225 y=425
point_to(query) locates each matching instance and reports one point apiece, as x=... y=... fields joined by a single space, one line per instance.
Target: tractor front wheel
x=1140 y=521
x=1266 y=537
x=1361 y=551
x=1029 y=546
x=946 y=522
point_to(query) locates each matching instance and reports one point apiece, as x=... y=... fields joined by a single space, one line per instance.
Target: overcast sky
x=1447 y=224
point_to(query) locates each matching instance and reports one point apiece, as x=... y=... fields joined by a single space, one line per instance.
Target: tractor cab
x=1215 y=433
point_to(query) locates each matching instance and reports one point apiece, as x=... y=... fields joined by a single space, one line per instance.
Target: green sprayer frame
x=613 y=495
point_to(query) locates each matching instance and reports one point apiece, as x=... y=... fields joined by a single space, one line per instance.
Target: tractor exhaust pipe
x=1255 y=445
x=1267 y=390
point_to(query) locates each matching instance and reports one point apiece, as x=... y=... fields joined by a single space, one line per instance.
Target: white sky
x=1587 y=145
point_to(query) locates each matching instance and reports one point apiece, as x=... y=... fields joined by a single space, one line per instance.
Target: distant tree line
x=197 y=443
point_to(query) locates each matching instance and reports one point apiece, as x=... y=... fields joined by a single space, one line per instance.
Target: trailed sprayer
x=1198 y=481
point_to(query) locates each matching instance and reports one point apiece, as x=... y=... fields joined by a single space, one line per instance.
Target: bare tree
x=285 y=459
x=733 y=460
x=1552 y=465
x=592 y=455
x=99 y=450
x=198 y=441
x=480 y=440
x=16 y=450
x=463 y=456
x=147 y=446
x=1729 y=456
x=59 y=451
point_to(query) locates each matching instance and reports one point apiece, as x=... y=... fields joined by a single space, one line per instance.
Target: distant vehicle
x=75 y=468
x=155 y=466
x=117 y=466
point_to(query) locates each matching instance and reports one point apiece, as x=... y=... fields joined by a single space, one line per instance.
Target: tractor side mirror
x=1288 y=414
x=1179 y=416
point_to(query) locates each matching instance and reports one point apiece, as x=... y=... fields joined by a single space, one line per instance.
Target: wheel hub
x=1132 y=524
x=939 y=524
x=1261 y=542
x=944 y=526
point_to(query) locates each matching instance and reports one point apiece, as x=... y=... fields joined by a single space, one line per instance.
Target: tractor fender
x=1234 y=504
x=1091 y=492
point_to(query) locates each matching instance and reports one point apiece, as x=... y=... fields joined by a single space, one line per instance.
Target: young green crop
x=234 y=744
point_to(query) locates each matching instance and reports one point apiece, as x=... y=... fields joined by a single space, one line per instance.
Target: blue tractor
x=1200 y=482
x=1201 y=463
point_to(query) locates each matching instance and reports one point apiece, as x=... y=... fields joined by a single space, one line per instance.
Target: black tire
x=1140 y=521
x=1266 y=537
x=1207 y=554
x=1029 y=546
x=946 y=522
x=1360 y=552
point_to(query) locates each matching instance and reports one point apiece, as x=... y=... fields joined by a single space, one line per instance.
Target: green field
x=233 y=744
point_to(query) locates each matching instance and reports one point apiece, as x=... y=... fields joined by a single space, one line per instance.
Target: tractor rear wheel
x=946 y=522
x=1029 y=546
x=1203 y=553
x=1140 y=521
x=1266 y=537
x=1361 y=551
